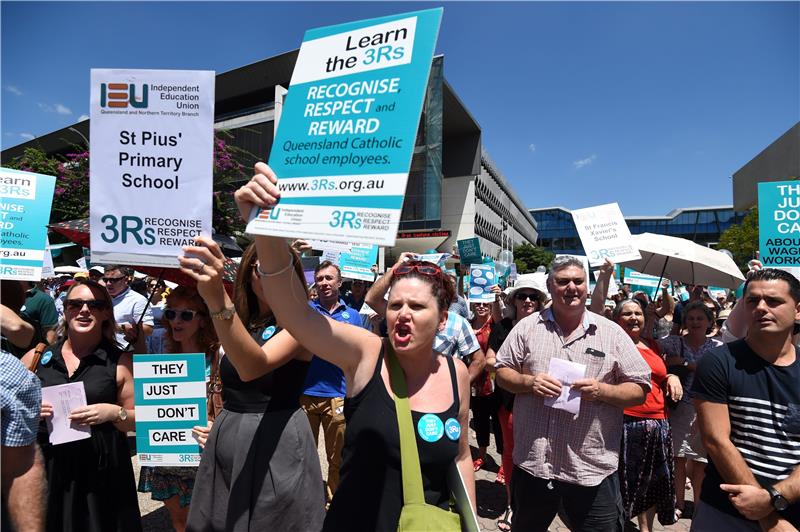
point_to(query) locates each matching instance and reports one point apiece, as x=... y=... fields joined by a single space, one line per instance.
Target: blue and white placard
x=25 y=201
x=357 y=263
x=481 y=279
x=779 y=224
x=346 y=136
x=170 y=396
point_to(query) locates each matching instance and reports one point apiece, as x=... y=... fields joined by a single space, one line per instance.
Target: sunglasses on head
x=93 y=304
x=110 y=280
x=185 y=315
x=519 y=296
x=425 y=268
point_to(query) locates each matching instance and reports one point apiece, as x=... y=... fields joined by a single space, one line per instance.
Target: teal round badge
x=430 y=428
x=47 y=357
x=452 y=428
x=346 y=315
x=268 y=332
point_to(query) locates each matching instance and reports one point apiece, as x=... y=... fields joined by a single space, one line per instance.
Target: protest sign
x=469 y=251
x=170 y=397
x=322 y=245
x=347 y=131
x=151 y=170
x=604 y=234
x=330 y=255
x=47 y=265
x=25 y=201
x=358 y=262
x=481 y=279
x=641 y=282
x=779 y=223
x=437 y=258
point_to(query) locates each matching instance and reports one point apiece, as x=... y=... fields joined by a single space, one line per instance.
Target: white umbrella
x=683 y=260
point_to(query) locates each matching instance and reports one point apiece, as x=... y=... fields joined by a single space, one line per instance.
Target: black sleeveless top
x=279 y=389
x=370 y=492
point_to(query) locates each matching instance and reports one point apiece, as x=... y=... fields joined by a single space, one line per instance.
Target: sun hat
x=531 y=281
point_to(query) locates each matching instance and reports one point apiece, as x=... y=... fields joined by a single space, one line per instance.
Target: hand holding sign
x=204 y=262
x=261 y=191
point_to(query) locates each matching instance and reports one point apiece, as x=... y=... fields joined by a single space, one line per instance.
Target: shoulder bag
x=416 y=515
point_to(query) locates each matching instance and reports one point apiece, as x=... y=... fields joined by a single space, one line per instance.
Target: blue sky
x=654 y=105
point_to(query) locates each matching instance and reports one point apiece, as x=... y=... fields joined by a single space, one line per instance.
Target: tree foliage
x=528 y=257
x=71 y=194
x=742 y=240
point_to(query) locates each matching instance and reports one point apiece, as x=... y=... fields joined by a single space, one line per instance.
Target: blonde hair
x=109 y=326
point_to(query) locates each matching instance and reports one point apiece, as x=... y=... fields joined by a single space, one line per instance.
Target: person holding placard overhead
x=370 y=494
x=563 y=458
x=259 y=469
x=188 y=330
x=91 y=482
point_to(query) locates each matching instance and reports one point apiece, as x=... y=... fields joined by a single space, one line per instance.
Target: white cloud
x=13 y=90
x=584 y=162
x=83 y=117
x=27 y=136
x=57 y=108
x=532 y=147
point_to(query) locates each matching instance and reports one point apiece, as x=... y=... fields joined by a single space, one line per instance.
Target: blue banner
x=25 y=202
x=358 y=262
x=469 y=251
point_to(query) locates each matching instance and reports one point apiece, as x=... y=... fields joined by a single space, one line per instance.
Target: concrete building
x=454 y=190
x=780 y=161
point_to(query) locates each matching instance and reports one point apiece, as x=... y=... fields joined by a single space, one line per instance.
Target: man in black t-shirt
x=747 y=396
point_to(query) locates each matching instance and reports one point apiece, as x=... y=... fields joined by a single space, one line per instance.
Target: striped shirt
x=550 y=443
x=764 y=411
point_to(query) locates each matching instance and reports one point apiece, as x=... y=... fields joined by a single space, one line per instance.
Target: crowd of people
x=699 y=391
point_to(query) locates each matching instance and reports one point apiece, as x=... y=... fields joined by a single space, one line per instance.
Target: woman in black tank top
x=259 y=469
x=369 y=496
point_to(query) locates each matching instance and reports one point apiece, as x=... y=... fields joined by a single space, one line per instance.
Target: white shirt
x=128 y=307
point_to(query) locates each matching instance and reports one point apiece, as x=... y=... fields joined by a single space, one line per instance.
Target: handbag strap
x=409 y=455
x=37 y=356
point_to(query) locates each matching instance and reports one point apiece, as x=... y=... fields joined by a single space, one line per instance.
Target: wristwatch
x=122 y=415
x=225 y=314
x=779 y=502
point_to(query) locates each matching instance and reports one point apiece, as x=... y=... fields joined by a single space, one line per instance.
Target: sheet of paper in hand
x=567 y=373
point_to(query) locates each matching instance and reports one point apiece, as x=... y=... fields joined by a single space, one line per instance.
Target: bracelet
x=261 y=273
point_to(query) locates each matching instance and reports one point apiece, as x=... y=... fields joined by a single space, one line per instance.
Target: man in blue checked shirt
x=323 y=396
x=23 y=478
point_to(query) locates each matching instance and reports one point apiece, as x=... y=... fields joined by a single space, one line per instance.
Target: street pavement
x=491 y=498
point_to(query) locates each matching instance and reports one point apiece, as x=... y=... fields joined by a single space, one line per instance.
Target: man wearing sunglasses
x=128 y=305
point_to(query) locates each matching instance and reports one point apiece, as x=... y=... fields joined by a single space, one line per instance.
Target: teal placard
x=779 y=223
x=348 y=127
x=469 y=250
x=25 y=202
x=170 y=398
x=358 y=262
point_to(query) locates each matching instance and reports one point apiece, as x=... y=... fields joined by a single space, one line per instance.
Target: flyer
x=170 y=396
x=605 y=234
x=482 y=277
x=25 y=202
x=151 y=170
x=346 y=136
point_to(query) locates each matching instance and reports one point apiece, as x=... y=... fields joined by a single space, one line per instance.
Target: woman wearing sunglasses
x=91 y=486
x=260 y=469
x=188 y=330
x=369 y=496
x=526 y=297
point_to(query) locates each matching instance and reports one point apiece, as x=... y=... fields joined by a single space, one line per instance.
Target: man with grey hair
x=561 y=458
